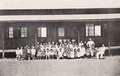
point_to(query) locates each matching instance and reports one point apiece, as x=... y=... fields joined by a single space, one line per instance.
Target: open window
x=93 y=30
x=98 y=30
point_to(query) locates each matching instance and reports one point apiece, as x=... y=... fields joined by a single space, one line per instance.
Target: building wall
x=115 y=33
x=73 y=30
x=1 y=34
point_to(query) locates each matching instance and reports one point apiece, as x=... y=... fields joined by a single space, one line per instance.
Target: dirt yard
x=72 y=67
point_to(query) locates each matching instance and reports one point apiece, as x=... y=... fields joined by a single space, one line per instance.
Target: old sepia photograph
x=59 y=38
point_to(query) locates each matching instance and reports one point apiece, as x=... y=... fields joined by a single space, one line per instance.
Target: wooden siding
x=73 y=30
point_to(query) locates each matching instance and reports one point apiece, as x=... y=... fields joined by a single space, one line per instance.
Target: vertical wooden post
x=109 y=33
x=78 y=37
x=35 y=39
x=3 y=44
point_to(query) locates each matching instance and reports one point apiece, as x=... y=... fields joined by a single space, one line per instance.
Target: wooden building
x=27 y=27
x=28 y=22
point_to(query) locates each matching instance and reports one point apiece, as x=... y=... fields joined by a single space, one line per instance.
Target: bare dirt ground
x=72 y=67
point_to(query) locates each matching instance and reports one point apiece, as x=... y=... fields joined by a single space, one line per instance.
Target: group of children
x=66 y=50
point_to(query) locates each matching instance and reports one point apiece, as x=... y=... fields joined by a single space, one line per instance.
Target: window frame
x=39 y=32
x=24 y=32
x=59 y=32
x=10 y=33
x=87 y=30
x=99 y=30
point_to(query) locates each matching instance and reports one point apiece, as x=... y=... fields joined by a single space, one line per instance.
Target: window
x=39 y=32
x=98 y=30
x=61 y=32
x=42 y=32
x=93 y=30
x=89 y=30
x=24 y=32
x=10 y=32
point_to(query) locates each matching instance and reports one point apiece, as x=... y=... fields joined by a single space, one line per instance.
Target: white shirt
x=90 y=43
x=60 y=53
x=102 y=50
x=21 y=51
x=78 y=53
x=17 y=51
x=81 y=44
x=33 y=51
x=71 y=46
x=72 y=54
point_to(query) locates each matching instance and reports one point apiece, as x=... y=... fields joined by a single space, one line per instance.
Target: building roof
x=33 y=10
x=59 y=11
x=58 y=17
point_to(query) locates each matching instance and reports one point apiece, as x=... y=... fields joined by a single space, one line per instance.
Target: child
x=33 y=51
x=20 y=53
x=60 y=54
x=17 y=53
x=100 y=52
x=47 y=53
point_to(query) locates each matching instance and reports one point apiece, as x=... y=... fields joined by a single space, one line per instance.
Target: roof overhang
x=59 y=17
